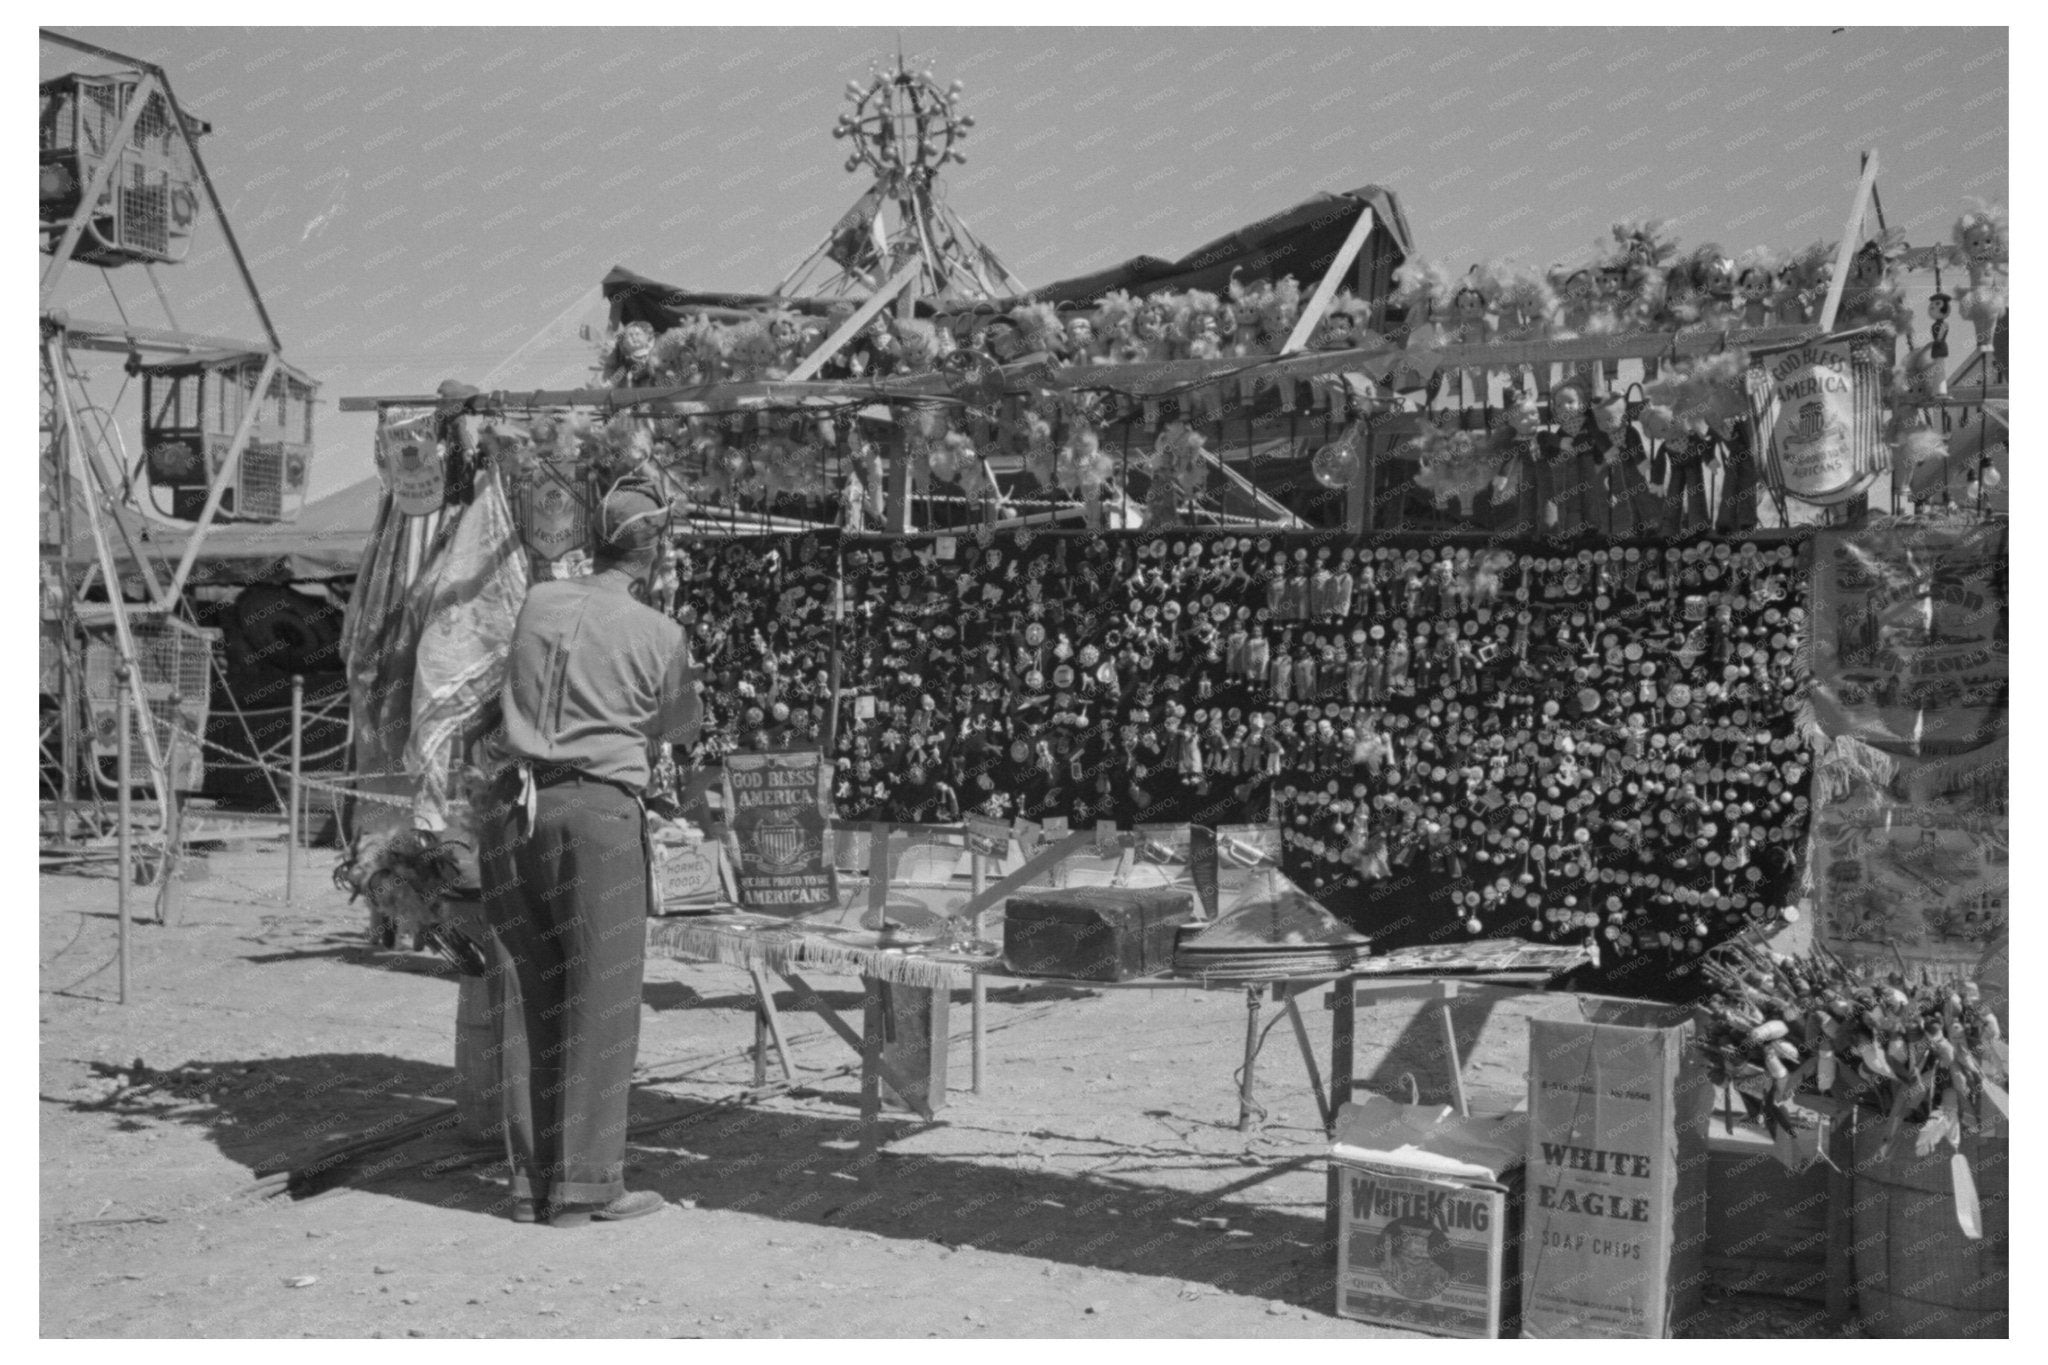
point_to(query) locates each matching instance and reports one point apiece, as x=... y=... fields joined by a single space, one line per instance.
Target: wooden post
x=173 y=831
x=1340 y=265
x=871 y=1065
x=1251 y=1057
x=291 y=821
x=123 y=869
x=1847 y=250
x=980 y=996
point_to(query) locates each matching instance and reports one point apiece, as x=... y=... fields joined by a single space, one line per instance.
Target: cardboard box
x=1426 y=1216
x=1614 y=1227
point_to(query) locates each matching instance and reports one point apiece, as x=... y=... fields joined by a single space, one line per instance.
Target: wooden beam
x=1157 y=378
x=881 y=1067
x=1020 y=879
x=1340 y=265
x=851 y=328
x=1846 y=249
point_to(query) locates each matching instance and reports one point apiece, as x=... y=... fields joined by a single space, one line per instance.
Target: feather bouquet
x=1924 y=1054
x=406 y=876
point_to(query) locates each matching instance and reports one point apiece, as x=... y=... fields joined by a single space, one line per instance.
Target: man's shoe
x=633 y=1204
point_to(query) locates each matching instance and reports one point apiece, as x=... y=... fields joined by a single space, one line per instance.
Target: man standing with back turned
x=595 y=676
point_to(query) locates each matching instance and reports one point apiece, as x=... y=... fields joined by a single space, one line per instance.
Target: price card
x=947 y=546
x=864 y=707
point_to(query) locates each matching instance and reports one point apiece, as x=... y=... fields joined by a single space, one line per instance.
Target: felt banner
x=1911 y=637
x=1919 y=878
x=778 y=821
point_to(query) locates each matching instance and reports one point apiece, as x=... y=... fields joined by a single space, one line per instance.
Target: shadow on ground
x=796 y=1167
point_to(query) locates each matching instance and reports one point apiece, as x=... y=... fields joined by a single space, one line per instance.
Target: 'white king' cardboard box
x=1427 y=1216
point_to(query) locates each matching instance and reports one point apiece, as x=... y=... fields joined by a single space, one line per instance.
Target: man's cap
x=630 y=520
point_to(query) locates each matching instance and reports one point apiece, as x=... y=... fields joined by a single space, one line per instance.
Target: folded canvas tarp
x=1299 y=241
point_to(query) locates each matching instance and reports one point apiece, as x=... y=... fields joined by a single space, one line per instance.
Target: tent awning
x=326 y=541
x=1298 y=241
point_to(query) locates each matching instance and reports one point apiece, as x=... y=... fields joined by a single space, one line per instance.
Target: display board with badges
x=1470 y=739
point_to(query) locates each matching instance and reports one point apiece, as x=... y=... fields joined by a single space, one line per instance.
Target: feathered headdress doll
x=1522 y=297
x=1420 y=285
x=1195 y=324
x=1038 y=327
x=1277 y=314
x=1634 y=260
x=1709 y=390
x=708 y=346
x=1584 y=306
x=1803 y=283
x=1116 y=316
x=1875 y=293
x=1456 y=465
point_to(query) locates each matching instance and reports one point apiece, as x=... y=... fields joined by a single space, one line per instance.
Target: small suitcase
x=1094 y=933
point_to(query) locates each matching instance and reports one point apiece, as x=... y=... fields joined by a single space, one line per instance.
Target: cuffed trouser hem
x=590 y=1192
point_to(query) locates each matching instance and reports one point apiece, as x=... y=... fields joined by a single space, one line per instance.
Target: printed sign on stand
x=777 y=817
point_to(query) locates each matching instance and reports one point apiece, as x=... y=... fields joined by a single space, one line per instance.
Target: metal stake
x=123 y=870
x=980 y=996
x=291 y=851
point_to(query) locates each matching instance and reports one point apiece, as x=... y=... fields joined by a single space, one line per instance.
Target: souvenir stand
x=1529 y=688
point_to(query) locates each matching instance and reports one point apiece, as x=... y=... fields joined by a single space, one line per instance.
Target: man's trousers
x=567 y=904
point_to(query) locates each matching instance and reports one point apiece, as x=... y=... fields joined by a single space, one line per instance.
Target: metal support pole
x=123 y=869
x=291 y=849
x=980 y=996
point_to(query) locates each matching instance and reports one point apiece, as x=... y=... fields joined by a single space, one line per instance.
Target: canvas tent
x=325 y=542
x=1298 y=241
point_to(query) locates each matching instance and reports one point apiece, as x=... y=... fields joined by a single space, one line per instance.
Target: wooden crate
x=1766 y=1226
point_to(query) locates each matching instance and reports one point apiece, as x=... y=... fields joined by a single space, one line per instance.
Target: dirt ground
x=1098 y=1187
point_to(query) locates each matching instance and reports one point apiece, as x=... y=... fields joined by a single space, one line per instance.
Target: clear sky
x=426 y=204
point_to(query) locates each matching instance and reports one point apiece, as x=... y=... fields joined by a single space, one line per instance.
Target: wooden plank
x=878 y=871
x=1045 y=857
x=772 y=1020
x=883 y=1071
x=850 y=328
x=1308 y=1057
x=1846 y=249
x=1340 y=265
